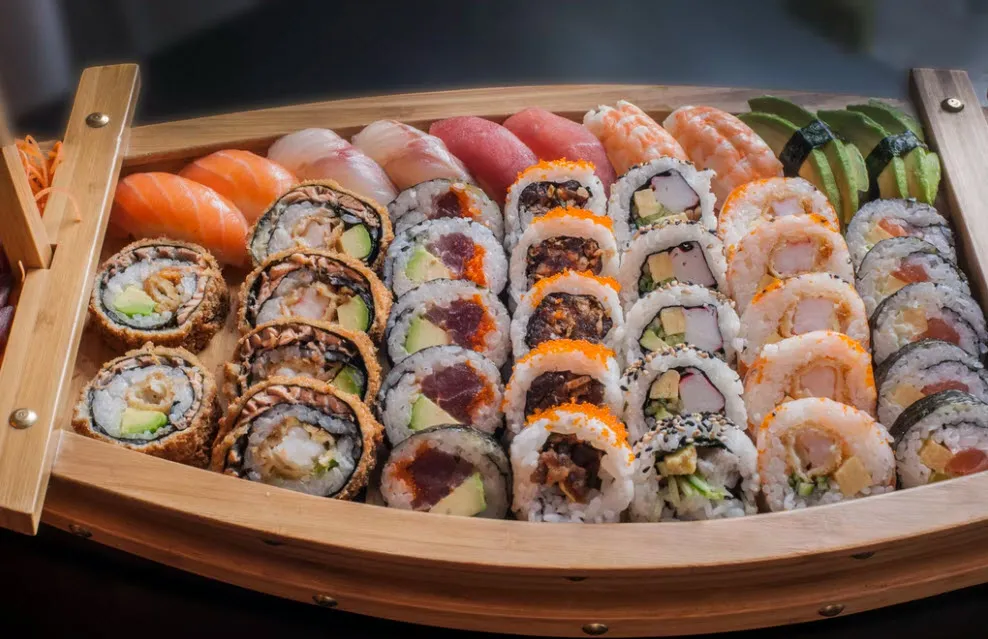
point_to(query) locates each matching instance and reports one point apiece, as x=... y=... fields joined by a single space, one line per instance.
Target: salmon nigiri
x=251 y=182
x=165 y=205
x=320 y=154
x=630 y=136
x=409 y=156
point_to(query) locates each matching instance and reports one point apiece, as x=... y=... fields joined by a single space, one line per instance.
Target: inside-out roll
x=443 y=198
x=883 y=219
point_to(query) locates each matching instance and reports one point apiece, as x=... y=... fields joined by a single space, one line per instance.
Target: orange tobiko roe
x=561 y=212
x=603 y=415
x=473 y=268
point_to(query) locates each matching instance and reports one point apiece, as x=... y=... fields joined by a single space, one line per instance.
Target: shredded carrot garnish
x=597 y=352
x=583 y=214
x=40 y=168
x=589 y=411
x=473 y=268
x=541 y=288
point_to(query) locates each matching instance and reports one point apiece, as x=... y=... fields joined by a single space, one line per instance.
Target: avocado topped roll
x=161 y=291
x=322 y=215
x=158 y=401
x=304 y=348
x=442 y=198
x=896 y=262
x=315 y=285
x=883 y=219
x=300 y=434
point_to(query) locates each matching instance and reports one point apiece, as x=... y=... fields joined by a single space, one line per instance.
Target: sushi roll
x=883 y=219
x=158 y=401
x=662 y=189
x=925 y=368
x=445 y=249
x=928 y=311
x=322 y=215
x=160 y=291
x=443 y=198
x=450 y=470
x=940 y=437
x=896 y=262
x=571 y=305
x=572 y=464
x=765 y=200
x=437 y=386
x=682 y=251
x=816 y=451
x=811 y=302
x=815 y=364
x=785 y=247
x=304 y=348
x=449 y=312
x=681 y=314
x=300 y=434
x=549 y=185
x=694 y=467
x=679 y=381
x=561 y=372
x=315 y=285
x=563 y=240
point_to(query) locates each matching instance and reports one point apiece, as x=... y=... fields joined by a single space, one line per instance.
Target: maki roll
x=883 y=219
x=440 y=385
x=561 y=372
x=304 y=348
x=445 y=249
x=315 y=285
x=782 y=248
x=816 y=451
x=676 y=314
x=815 y=364
x=662 y=189
x=448 y=312
x=300 y=434
x=158 y=401
x=925 y=368
x=811 y=302
x=693 y=467
x=571 y=305
x=322 y=215
x=549 y=185
x=941 y=436
x=450 y=470
x=894 y=263
x=442 y=198
x=928 y=311
x=573 y=464
x=563 y=240
x=161 y=291
x=679 y=381
x=682 y=251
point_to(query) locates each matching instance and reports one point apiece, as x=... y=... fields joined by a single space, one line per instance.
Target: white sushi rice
x=109 y=401
x=135 y=275
x=956 y=425
x=418 y=203
x=875 y=279
x=917 y=219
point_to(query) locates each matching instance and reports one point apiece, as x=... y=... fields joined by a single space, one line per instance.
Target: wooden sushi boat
x=508 y=576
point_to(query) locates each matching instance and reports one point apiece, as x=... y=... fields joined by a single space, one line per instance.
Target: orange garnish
x=558 y=164
x=597 y=352
x=583 y=214
x=39 y=167
x=541 y=288
x=603 y=415
x=473 y=268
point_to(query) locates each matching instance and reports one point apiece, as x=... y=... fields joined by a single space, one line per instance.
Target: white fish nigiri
x=320 y=154
x=409 y=156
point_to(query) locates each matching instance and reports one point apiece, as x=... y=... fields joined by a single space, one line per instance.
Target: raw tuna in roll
x=883 y=219
x=899 y=261
x=442 y=198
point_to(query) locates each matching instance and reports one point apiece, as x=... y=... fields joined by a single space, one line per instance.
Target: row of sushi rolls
x=553 y=321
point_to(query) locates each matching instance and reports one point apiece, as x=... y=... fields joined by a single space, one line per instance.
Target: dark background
x=208 y=56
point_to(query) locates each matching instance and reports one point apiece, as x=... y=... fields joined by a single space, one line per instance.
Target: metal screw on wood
x=97 y=120
x=831 y=610
x=23 y=418
x=80 y=531
x=952 y=105
x=325 y=601
x=595 y=629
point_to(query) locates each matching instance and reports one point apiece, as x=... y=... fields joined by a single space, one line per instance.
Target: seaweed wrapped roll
x=442 y=198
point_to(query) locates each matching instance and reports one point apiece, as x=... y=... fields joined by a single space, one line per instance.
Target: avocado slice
x=422 y=334
x=423 y=266
x=865 y=133
x=776 y=132
x=860 y=172
x=356 y=242
x=133 y=301
x=349 y=380
x=837 y=155
x=466 y=500
x=426 y=414
x=652 y=342
x=135 y=422
x=354 y=315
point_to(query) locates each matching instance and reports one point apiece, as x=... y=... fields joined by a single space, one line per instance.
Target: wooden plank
x=45 y=335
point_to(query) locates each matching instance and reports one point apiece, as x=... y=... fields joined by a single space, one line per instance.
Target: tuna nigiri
x=553 y=137
x=409 y=156
x=630 y=136
x=165 y=205
x=717 y=140
x=320 y=154
x=491 y=152
x=251 y=182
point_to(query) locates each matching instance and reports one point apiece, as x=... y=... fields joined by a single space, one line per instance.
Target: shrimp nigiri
x=717 y=140
x=165 y=205
x=409 y=156
x=320 y=154
x=251 y=182
x=630 y=136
